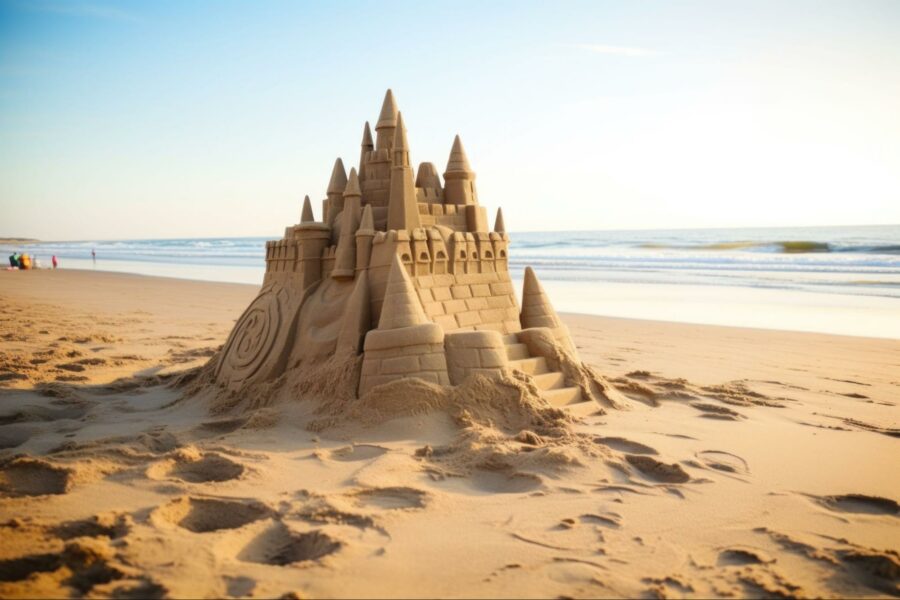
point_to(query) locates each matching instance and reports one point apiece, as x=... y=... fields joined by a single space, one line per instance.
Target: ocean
x=843 y=280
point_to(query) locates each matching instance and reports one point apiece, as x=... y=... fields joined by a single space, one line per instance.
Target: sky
x=175 y=119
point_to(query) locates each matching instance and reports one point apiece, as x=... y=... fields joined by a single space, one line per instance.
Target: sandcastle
x=404 y=271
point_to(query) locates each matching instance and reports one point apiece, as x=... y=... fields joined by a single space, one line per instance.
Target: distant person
x=94 y=256
x=13 y=260
x=54 y=261
x=25 y=262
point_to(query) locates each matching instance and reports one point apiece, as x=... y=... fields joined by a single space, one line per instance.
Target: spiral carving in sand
x=254 y=336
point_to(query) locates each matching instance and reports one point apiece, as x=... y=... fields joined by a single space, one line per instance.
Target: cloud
x=616 y=50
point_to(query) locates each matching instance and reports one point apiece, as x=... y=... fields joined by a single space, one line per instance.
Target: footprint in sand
x=34 y=477
x=714 y=411
x=357 y=452
x=279 y=545
x=738 y=556
x=859 y=504
x=658 y=471
x=392 y=498
x=223 y=425
x=723 y=461
x=202 y=514
x=192 y=468
x=624 y=445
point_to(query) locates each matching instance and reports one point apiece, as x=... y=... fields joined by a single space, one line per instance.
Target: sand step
x=517 y=351
x=582 y=409
x=549 y=381
x=563 y=396
x=532 y=366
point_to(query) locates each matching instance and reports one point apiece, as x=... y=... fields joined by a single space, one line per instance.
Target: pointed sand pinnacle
x=401 y=306
x=499 y=225
x=458 y=160
x=367 y=223
x=367 y=142
x=338 y=178
x=388 y=116
x=352 y=189
x=400 y=143
x=307 y=215
x=536 y=308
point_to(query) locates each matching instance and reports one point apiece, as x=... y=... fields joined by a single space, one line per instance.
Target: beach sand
x=745 y=463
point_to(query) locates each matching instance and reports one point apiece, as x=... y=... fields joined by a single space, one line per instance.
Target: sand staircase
x=551 y=383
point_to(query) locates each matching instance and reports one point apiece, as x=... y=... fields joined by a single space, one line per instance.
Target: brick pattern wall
x=419 y=352
x=471 y=352
x=470 y=301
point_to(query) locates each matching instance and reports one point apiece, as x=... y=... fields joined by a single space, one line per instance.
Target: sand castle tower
x=403 y=272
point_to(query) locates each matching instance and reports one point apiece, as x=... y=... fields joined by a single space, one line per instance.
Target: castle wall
x=416 y=351
x=475 y=352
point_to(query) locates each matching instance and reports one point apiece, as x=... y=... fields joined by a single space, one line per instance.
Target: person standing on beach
x=13 y=260
x=94 y=256
x=54 y=261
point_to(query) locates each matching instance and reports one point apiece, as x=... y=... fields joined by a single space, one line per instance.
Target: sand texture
x=732 y=462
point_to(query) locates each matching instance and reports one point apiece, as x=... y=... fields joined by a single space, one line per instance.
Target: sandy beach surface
x=744 y=463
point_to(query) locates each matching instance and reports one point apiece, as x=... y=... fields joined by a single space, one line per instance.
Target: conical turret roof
x=458 y=160
x=338 y=178
x=427 y=176
x=367 y=223
x=388 y=116
x=352 y=188
x=307 y=215
x=499 y=225
x=536 y=308
x=401 y=306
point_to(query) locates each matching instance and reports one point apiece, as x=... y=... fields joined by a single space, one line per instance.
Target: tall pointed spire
x=401 y=307
x=307 y=214
x=403 y=206
x=345 y=255
x=387 y=120
x=364 y=148
x=400 y=147
x=388 y=116
x=338 y=178
x=536 y=308
x=499 y=225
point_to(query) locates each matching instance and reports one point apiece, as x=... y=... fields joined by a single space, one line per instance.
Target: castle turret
x=387 y=121
x=365 y=147
x=345 y=257
x=428 y=184
x=364 y=236
x=459 y=179
x=537 y=311
x=403 y=209
x=335 y=190
x=307 y=215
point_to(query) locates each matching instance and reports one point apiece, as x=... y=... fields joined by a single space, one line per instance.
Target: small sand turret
x=415 y=259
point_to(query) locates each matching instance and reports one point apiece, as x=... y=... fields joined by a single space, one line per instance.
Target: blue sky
x=170 y=119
